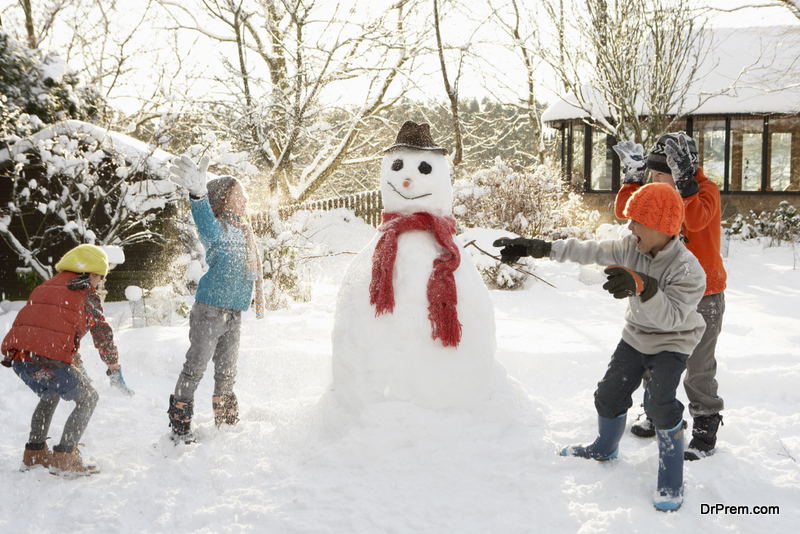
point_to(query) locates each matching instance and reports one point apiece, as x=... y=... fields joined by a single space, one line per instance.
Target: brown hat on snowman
x=416 y=137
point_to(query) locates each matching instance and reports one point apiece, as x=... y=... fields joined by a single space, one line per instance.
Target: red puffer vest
x=52 y=322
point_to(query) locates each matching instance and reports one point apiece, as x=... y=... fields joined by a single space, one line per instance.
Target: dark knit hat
x=657 y=157
x=218 y=189
x=658 y=206
x=416 y=136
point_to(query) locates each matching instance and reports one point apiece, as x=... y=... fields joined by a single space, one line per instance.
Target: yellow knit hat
x=84 y=259
x=658 y=206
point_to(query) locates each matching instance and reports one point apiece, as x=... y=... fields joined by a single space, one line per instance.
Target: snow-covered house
x=75 y=182
x=747 y=125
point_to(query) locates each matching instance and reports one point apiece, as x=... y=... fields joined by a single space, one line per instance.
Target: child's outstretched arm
x=103 y=338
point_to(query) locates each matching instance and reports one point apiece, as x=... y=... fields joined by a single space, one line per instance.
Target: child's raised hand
x=631 y=155
x=193 y=177
x=680 y=163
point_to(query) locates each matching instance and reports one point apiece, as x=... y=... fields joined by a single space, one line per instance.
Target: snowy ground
x=298 y=464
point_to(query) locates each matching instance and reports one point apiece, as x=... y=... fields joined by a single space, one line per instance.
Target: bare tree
x=285 y=60
x=450 y=90
x=630 y=66
x=517 y=23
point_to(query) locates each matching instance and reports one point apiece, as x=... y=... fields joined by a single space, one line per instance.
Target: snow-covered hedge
x=530 y=204
x=76 y=183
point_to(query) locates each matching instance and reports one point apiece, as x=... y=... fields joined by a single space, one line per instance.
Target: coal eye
x=397 y=165
x=425 y=167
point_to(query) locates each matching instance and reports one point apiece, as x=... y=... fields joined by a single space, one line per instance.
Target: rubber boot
x=180 y=420
x=67 y=461
x=704 y=437
x=669 y=495
x=36 y=454
x=606 y=446
x=226 y=409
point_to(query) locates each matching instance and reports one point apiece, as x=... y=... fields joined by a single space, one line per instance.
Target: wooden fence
x=367 y=205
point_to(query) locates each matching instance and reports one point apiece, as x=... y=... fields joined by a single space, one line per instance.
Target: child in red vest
x=42 y=348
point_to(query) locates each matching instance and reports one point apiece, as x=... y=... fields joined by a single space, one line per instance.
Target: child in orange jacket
x=674 y=160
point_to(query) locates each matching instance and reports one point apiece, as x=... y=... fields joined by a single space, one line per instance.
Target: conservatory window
x=710 y=138
x=601 y=162
x=746 y=154
x=784 y=154
x=577 y=166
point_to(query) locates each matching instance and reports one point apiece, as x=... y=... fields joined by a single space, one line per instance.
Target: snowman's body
x=393 y=356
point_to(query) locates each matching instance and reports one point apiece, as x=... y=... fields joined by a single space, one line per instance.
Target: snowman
x=414 y=322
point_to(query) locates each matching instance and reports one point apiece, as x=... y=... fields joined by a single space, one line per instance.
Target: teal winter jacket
x=226 y=284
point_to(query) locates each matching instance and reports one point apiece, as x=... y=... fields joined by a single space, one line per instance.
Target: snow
x=115 y=254
x=299 y=463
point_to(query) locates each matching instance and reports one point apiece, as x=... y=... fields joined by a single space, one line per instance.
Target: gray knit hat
x=657 y=158
x=218 y=189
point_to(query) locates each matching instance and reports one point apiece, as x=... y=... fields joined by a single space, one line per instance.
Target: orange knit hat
x=658 y=206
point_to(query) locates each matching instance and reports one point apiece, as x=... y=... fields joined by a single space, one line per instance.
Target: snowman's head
x=416 y=177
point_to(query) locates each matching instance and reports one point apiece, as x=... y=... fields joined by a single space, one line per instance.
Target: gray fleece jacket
x=668 y=321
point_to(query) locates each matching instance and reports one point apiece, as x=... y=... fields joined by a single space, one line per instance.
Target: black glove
x=622 y=283
x=631 y=155
x=515 y=248
x=680 y=163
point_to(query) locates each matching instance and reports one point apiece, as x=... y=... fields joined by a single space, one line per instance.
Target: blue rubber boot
x=606 y=446
x=669 y=495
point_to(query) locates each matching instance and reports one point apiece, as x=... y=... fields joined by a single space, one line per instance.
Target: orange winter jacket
x=52 y=322
x=701 y=226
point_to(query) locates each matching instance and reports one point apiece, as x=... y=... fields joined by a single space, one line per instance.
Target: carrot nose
x=407 y=182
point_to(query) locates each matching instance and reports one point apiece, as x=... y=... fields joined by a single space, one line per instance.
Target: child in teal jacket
x=219 y=209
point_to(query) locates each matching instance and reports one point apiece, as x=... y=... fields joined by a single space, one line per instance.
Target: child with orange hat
x=663 y=283
x=42 y=348
x=674 y=160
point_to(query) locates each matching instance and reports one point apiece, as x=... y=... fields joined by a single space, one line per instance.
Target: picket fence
x=367 y=205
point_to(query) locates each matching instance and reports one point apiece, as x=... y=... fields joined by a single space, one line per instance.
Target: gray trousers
x=213 y=334
x=77 y=421
x=700 y=382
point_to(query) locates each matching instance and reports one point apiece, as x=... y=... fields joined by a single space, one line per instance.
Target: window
x=601 y=162
x=710 y=138
x=746 y=149
x=784 y=154
x=576 y=172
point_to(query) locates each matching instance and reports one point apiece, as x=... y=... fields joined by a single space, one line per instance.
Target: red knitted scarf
x=442 y=295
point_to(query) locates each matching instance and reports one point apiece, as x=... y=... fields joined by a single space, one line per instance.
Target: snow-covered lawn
x=297 y=463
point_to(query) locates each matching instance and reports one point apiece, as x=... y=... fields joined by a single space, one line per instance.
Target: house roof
x=748 y=70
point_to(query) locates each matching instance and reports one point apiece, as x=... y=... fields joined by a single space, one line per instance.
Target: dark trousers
x=624 y=375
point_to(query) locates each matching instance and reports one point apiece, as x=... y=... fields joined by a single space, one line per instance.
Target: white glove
x=632 y=157
x=193 y=177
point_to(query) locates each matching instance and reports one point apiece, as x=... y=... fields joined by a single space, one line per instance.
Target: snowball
x=133 y=293
x=114 y=253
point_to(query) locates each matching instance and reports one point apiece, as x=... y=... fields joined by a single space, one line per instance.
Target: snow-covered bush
x=496 y=275
x=783 y=224
x=530 y=204
x=76 y=187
